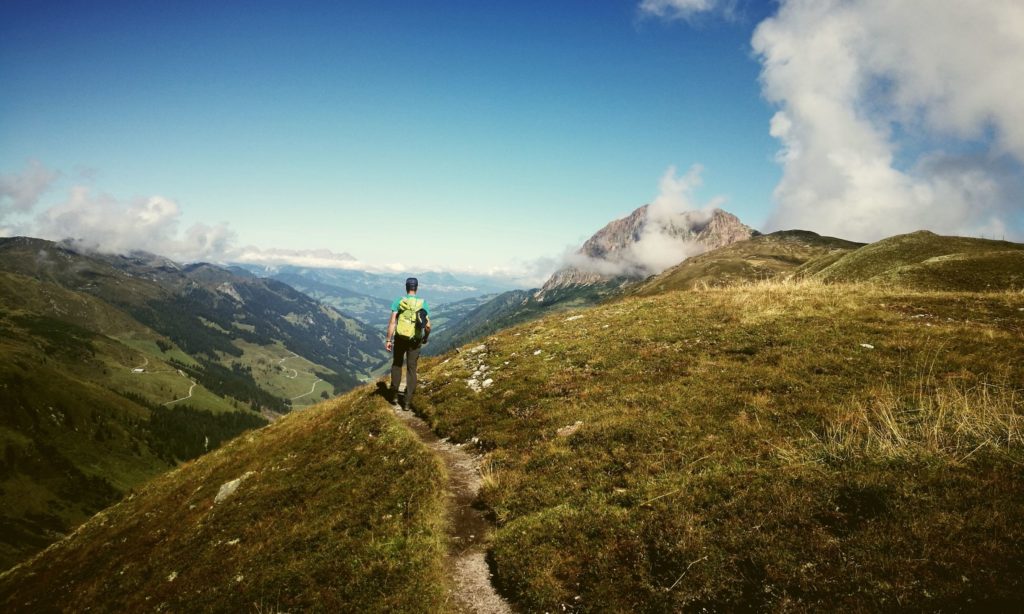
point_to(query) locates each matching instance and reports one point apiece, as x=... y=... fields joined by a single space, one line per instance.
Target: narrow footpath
x=467 y=558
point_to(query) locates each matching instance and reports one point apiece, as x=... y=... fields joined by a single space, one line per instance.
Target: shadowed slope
x=336 y=508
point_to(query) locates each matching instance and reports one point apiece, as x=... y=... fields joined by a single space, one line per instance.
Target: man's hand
x=388 y=345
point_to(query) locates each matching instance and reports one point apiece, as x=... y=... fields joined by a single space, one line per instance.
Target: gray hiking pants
x=405 y=353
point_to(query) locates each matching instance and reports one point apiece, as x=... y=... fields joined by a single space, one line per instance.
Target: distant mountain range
x=610 y=260
x=112 y=368
x=734 y=253
x=845 y=436
x=368 y=296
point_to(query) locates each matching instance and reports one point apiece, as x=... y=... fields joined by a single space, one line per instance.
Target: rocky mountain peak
x=646 y=242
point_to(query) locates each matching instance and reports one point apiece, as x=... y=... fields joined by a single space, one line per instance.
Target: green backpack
x=409 y=325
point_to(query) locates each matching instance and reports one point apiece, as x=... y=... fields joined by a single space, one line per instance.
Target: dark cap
x=412 y=284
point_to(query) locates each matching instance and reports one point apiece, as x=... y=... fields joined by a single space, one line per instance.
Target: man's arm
x=391 y=330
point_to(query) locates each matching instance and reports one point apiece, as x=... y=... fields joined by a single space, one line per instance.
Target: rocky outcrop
x=703 y=230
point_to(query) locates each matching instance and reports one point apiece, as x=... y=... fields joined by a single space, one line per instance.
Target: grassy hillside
x=924 y=260
x=113 y=369
x=203 y=310
x=369 y=309
x=759 y=258
x=450 y=316
x=78 y=426
x=776 y=446
x=335 y=509
x=515 y=307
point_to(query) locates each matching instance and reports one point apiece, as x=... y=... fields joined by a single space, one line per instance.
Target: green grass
x=287 y=379
x=340 y=509
x=148 y=346
x=75 y=422
x=926 y=261
x=728 y=453
x=762 y=257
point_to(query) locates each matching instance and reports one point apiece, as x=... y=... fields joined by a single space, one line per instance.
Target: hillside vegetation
x=768 y=446
x=116 y=368
x=518 y=306
x=759 y=258
x=333 y=509
x=926 y=261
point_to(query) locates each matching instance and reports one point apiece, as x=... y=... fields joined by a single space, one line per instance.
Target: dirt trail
x=190 y=389
x=467 y=560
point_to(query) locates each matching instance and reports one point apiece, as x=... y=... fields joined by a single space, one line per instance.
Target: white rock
x=867 y=345
x=487 y=383
x=233 y=542
x=478 y=349
x=571 y=318
x=171 y=576
x=537 y=352
x=228 y=488
x=565 y=431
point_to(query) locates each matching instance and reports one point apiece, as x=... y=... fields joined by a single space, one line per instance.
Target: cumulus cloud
x=312 y=258
x=100 y=222
x=20 y=192
x=685 y=9
x=664 y=237
x=895 y=116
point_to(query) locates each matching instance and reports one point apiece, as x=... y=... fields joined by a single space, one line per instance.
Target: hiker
x=409 y=328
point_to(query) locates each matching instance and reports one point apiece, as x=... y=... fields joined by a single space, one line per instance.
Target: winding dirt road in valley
x=190 y=389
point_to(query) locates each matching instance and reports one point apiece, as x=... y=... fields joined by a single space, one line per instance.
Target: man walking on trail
x=409 y=328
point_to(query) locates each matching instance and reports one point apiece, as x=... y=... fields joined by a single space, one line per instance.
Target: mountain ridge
x=116 y=367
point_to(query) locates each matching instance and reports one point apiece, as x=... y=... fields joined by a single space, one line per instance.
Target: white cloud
x=685 y=9
x=20 y=192
x=101 y=222
x=664 y=237
x=312 y=258
x=895 y=116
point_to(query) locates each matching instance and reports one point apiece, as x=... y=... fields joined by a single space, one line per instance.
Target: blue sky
x=470 y=134
x=488 y=132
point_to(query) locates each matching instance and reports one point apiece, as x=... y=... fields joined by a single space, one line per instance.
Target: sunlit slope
x=78 y=426
x=114 y=368
x=761 y=257
x=337 y=508
x=796 y=447
x=204 y=309
x=926 y=261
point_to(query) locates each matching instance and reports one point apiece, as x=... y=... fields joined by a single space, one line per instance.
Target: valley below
x=788 y=422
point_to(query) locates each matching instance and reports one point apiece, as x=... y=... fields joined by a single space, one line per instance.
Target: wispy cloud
x=101 y=222
x=686 y=9
x=312 y=258
x=895 y=116
x=663 y=238
x=20 y=192
x=97 y=221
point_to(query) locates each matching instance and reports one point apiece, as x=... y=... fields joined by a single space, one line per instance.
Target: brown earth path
x=468 y=528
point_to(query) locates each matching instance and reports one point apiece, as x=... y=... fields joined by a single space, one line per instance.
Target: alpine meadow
x=384 y=308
